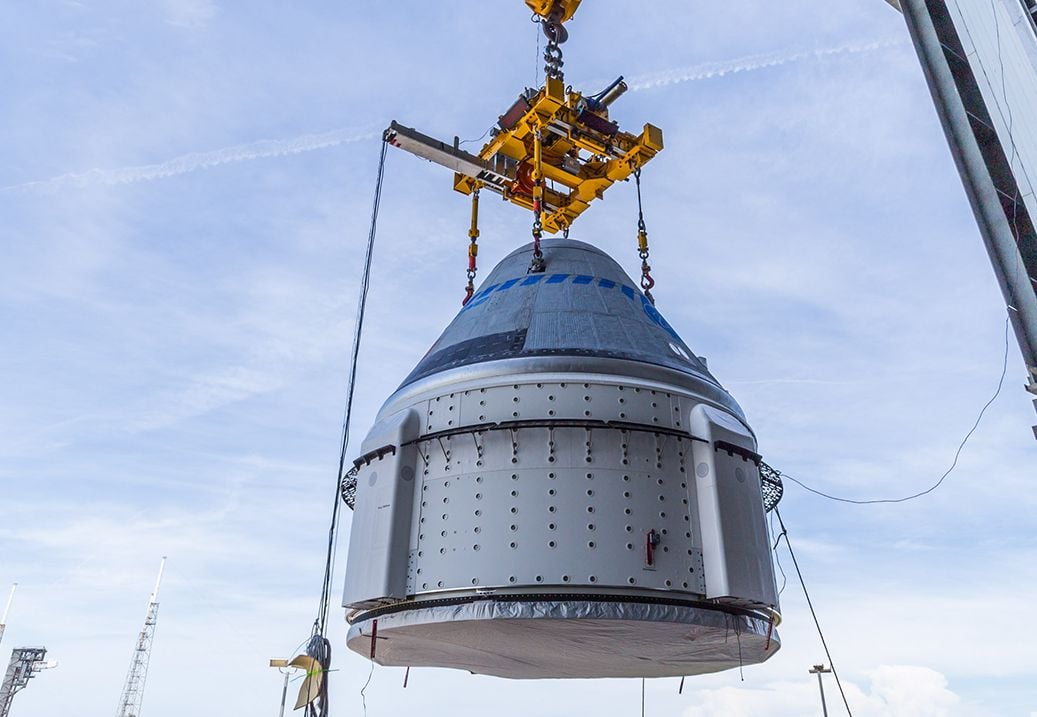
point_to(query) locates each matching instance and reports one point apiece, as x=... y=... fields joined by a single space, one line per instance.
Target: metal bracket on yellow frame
x=545 y=8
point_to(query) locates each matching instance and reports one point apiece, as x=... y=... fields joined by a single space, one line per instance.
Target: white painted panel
x=379 y=546
x=735 y=547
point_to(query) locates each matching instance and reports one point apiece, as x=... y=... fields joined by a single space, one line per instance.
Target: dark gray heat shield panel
x=583 y=305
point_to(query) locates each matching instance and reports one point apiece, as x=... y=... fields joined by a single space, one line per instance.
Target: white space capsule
x=560 y=489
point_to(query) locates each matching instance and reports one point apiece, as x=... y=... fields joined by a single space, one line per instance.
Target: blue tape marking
x=508 y=284
x=653 y=313
x=581 y=279
x=481 y=298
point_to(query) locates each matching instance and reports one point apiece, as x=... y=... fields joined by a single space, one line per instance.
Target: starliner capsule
x=560 y=488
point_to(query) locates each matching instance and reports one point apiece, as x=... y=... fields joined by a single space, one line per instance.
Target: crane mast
x=133 y=689
x=980 y=61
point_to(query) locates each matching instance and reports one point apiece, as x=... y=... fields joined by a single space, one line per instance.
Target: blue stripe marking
x=481 y=298
x=508 y=284
x=581 y=279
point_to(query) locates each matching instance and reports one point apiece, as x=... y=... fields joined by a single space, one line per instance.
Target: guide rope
x=813 y=613
x=319 y=648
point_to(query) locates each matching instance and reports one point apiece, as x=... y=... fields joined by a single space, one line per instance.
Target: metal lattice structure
x=25 y=662
x=133 y=689
x=7 y=609
x=348 y=488
x=773 y=488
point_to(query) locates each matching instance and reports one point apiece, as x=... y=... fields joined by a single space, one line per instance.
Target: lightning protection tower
x=25 y=663
x=133 y=689
x=7 y=609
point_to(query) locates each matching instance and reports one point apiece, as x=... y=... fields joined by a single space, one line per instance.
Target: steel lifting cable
x=647 y=282
x=319 y=647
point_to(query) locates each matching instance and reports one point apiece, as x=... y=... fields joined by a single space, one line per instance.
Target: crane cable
x=319 y=647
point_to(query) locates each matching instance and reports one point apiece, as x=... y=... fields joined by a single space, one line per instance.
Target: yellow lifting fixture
x=553 y=142
x=582 y=151
x=560 y=10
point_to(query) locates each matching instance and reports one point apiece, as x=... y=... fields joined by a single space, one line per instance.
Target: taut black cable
x=319 y=647
x=810 y=604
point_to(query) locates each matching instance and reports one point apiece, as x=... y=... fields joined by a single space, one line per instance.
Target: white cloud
x=893 y=691
x=711 y=70
x=195 y=161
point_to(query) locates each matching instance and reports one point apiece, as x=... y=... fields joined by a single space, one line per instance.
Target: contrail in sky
x=751 y=63
x=312 y=142
x=202 y=160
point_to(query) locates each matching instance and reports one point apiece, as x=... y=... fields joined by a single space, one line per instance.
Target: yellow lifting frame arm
x=582 y=153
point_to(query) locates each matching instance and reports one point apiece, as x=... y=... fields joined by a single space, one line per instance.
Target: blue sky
x=185 y=188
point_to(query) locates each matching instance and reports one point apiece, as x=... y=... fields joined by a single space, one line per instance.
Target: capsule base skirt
x=561 y=638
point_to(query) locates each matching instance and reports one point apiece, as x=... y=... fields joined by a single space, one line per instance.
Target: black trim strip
x=376 y=454
x=737 y=450
x=557 y=423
